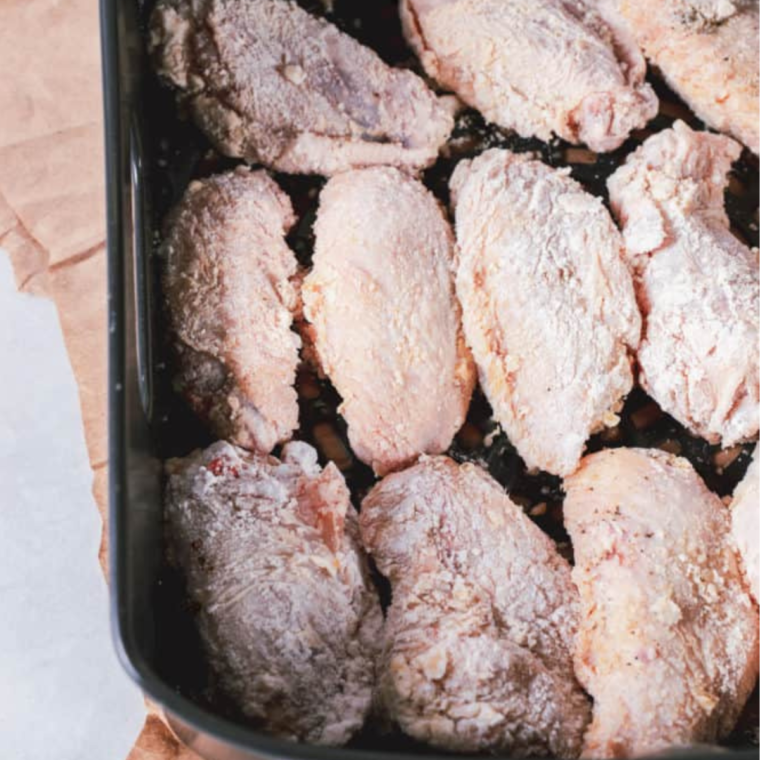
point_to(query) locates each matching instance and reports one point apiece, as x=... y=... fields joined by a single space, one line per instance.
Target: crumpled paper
x=52 y=220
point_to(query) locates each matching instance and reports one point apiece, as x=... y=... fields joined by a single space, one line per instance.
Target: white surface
x=63 y=695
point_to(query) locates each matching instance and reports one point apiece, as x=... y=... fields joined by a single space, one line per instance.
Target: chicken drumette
x=697 y=285
x=536 y=66
x=288 y=616
x=548 y=304
x=668 y=636
x=385 y=319
x=230 y=297
x=479 y=635
x=270 y=83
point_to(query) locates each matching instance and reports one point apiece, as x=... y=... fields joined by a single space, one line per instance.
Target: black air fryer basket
x=152 y=154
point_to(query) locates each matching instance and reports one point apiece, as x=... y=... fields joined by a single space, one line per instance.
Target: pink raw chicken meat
x=745 y=524
x=707 y=52
x=668 y=641
x=697 y=285
x=548 y=304
x=479 y=634
x=229 y=285
x=270 y=83
x=289 y=617
x=384 y=317
x=536 y=66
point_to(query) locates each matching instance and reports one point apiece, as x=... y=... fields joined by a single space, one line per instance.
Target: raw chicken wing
x=270 y=83
x=385 y=319
x=548 y=305
x=745 y=525
x=536 y=66
x=479 y=635
x=668 y=634
x=707 y=52
x=287 y=613
x=697 y=285
x=231 y=300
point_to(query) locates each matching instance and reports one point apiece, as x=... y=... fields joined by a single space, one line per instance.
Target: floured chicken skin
x=289 y=618
x=707 y=52
x=384 y=316
x=548 y=304
x=270 y=83
x=668 y=634
x=479 y=635
x=697 y=285
x=745 y=525
x=228 y=283
x=540 y=67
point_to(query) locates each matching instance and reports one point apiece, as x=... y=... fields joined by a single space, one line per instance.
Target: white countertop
x=63 y=695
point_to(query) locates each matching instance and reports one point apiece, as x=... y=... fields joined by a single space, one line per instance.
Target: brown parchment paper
x=52 y=216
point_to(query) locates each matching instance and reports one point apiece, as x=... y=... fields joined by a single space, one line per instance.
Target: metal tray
x=151 y=155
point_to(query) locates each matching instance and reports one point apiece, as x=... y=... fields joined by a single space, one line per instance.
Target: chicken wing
x=707 y=52
x=668 y=635
x=230 y=299
x=548 y=305
x=745 y=525
x=697 y=285
x=478 y=637
x=270 y=83
x=288 y=616
x=538 y=67
x=386 y=322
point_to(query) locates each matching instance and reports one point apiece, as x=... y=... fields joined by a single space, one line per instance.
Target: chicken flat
x=288 y=616
x=707 y=52
x=538 y=67
x=548 y=305
x=478 y=637
x=385 y=320
x=230 y=296
x=745 y=525
x=668 y=634
x=270 y=83
x=697 y=285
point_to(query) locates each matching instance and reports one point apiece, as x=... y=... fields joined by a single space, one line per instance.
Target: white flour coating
x=548 y=304
x=697 y=285
x=289 y=618
x=270 y=83
x=385 y=319
x=745 y=525
x=668 y=643
x=706 y=50
x=479 y=635
x=228 y=281
x=536 y=66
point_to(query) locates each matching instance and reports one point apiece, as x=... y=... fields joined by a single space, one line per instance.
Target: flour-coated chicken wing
x=228 y=283
x=288 y=616
x=668 y=633
x=479 y=634
x=536 y=66
x=386 y=323
x=745 y=525
x=270 y=83
x=697 y=285
x=707 y=52
x=548 y=305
